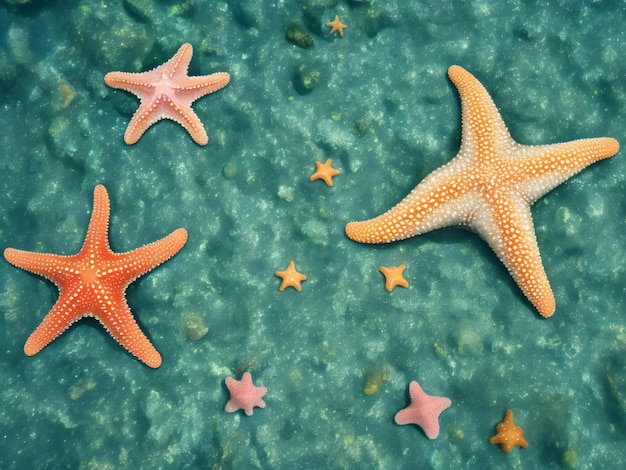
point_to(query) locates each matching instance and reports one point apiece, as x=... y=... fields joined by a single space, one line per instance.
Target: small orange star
x=290 y=277
x=393 y=276
x=508 y=435
x=336 y=25
x=325 y=172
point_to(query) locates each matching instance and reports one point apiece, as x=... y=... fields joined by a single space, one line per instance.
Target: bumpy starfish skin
x=489 y=187
x=93 y=283
x=167 y=92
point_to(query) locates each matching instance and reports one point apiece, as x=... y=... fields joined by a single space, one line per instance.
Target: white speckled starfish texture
x=167 y=92
x=489 y=187
x=93 y=283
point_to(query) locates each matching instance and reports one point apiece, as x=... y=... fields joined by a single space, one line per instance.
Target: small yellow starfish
x=393 y=276
x=324 y=172
x=290 y=277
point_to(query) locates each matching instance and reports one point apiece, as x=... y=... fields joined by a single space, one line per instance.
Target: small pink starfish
x=424 y=410
x=167 y=92
x=244 y=395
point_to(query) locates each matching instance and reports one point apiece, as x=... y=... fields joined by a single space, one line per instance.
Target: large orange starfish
x=489 y=187
x=167 y=92
x=93 y=283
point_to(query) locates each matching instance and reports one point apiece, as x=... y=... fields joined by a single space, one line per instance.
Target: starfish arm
x=192 y=88
x=431 y=428
x=178 y=65
x=121 y=325
x=97 y=238
x=506 y=446
x=482 y=125
x=404 y=416
x=175 y=68
x=135 y=83
x=48 y=265
x=187 y=118
x=544 y=167
x=59 y=319
x=164 y=108
x=141 y=260
x=115 y=316
x=509 y=231
x=440 y=200
x=141 y=121
x=59 y=268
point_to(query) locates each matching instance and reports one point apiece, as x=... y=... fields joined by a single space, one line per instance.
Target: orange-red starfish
x=290 y=277
x=167 y=92
x=93 y=283
x=489 y=187
x=508 y=435
x=393 y=276
x=325 y=172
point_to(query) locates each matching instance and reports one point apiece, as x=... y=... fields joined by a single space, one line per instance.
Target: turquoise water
x=378 y=102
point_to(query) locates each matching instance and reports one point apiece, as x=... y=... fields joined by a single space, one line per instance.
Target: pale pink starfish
x=424 y=410
x=167 y=92
x=244 y=395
